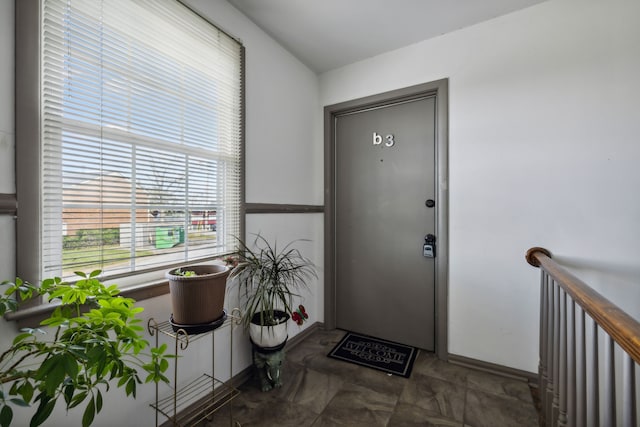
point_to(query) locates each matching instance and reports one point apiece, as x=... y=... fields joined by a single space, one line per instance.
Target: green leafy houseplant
x=268 y=279
x=184 y=273
x=97 y=338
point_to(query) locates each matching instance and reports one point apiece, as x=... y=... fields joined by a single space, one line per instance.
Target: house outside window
x=139 y=143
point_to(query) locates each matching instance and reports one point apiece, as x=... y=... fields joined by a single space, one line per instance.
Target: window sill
x=154 y=285
x=32 y=316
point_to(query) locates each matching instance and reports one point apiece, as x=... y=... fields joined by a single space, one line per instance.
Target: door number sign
x=388 y=140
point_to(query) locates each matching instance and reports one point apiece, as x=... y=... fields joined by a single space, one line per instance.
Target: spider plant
x=269 y=278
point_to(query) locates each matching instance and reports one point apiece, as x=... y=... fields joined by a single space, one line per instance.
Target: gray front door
x=385 y=173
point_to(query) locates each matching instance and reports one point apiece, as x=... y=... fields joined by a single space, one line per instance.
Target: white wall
x=544 y=151
x=544 y=130
x=284 y=152
x=284 y=149
x=7 y=180
x=284 y=165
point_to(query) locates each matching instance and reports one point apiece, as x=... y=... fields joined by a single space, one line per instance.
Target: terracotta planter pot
x=269 y=336
x=198 y=299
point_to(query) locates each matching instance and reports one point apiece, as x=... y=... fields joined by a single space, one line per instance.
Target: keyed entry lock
x=429 y=247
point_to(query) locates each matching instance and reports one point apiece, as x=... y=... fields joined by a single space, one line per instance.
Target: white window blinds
x=142 y=136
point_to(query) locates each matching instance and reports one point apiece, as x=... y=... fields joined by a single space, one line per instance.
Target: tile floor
x=320 y=391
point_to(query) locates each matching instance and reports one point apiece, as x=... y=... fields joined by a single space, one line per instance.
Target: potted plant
x=268 y=280
x=97 y=341
x=197 y=296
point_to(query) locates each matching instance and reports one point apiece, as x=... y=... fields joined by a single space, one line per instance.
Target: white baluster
x=581 y=383
x=609 y=416
x=629 y=415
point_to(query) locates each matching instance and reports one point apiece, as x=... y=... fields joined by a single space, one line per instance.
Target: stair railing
x=572 y=318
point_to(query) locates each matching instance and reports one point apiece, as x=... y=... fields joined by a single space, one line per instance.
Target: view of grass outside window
x=142 y=133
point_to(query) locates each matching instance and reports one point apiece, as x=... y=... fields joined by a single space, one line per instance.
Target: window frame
x=28 y=130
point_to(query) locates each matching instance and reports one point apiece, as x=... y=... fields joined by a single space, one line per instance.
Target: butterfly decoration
x=300 y=315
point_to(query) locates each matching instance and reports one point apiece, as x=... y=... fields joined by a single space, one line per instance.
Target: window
x=140 y=139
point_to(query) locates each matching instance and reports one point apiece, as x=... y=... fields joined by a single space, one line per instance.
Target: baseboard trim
x=235 y=382
x=495 y=369
x=291 y=343
x=245 y=375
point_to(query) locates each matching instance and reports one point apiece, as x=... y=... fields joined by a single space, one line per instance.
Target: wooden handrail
x=624 y=329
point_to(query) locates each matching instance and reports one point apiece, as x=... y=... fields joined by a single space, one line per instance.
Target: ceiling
x=327 y=34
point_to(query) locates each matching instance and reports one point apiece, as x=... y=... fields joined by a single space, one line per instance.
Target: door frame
x=439 y=90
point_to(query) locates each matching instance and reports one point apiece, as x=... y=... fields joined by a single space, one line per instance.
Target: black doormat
x=387 y=356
